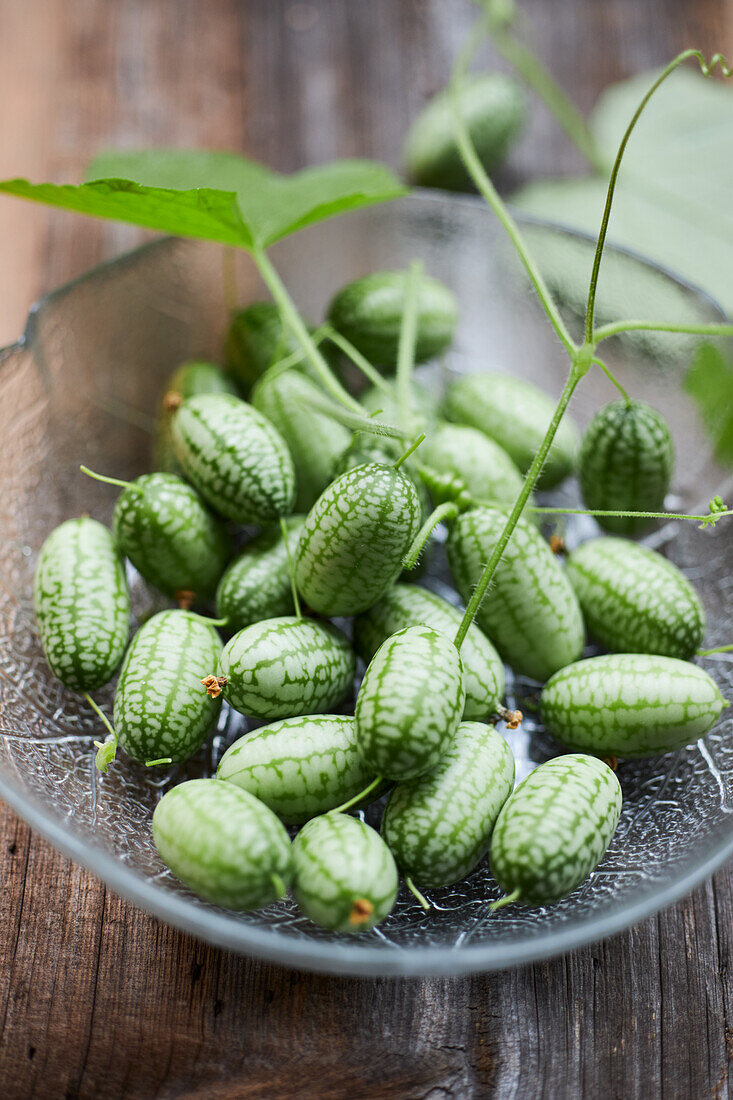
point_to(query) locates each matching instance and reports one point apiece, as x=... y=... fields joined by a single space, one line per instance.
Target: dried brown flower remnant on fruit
x=213 y=685
x=612 y=762
x=185 y=598
x=172 y=401
x=361 y=911
x=557 y=544
x=512 y=718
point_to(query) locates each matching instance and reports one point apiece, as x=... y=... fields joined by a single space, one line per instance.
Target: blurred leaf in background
x=710 y=382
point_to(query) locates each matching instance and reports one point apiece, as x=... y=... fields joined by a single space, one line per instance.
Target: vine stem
x=611 y=378
x=359 y=796
x=291 y=568
x=294 y=321
x=617 y=327
x=486 y=188
x=367 y=369
x=408 y=337
x=445 y=511
x=358 y=422
x=631 y=515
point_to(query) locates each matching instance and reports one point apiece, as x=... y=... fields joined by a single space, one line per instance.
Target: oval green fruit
x=299 y=767
x=282 y=668
x=257 y=583
x=235 y=457
x=345 y=877
x=223 y=843
x=192 y=377
x=555 y=828
x=439 y=827
x=82 y=604
x=355 y=538
x=487 y=471
x=160 y=709
x=530 y=612
x=625 y=464
x=516 y=415
x=634 y=600
x=385 y=407
x=256 y=339
x=409 y=704
x=630 y=705
x=493 y=109
x=162 y=525
x=409 y=605
x=368 y=312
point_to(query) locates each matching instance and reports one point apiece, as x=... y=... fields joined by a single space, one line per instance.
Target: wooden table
x=98 y=999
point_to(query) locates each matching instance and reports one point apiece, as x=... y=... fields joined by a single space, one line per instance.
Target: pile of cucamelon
x=344 y=487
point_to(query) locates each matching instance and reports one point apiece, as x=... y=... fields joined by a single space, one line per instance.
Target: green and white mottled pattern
x=257 y=584
x=300 y=767
x=257 y=338
x=368 y=312
x=162 y=525
x=192 y=377
x=160 y=707
x=516 y=415
x=408 y=605
x=555 y=828
x=438 y=827
x=530 y=611
x=82 y=604
x=355 y=538
x=630 y=704
x=316 y=442
x=634 y=600
x=235 y=457
x=345 y=877
x=223 y=844
x=484 y=467
x=281 y=668
x=625 y=464
x=409 y=704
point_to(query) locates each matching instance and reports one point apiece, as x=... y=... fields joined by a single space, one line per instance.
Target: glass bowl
x=81 y=386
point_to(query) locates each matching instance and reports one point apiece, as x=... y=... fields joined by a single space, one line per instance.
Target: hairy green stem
x=367 y=369
x=279 y=366
x=709 y=519
x=443 y=512
x=611 y=378
x=358 y=422
x=617 y=327
x=410 y=451
x=291 y=568
x=408 y=337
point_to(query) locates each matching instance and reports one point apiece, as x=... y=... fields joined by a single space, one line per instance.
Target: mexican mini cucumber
x=630 y=704
x=355 y=538
x=316 y=442
x=634 y=600
x=516 y=415
x=300 y=767
x=344 y=877
x=625 y=464
x=531 y=612
x=192 y=377
x=257 y=583
x=223 y=843
x=555 y=828
x=487 y=471
x=82 y=604
x=256 y=339
x=409 y=704
x=160 y=707
x=235 y=457
x=408 y=605
x=438 y=827
x=162 y=525
x=281 y=668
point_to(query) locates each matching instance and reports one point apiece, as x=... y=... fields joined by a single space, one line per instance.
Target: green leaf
x=672 y=201
x=272 y=205
x=710 y=382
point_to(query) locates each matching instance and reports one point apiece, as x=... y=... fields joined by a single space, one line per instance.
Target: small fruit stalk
x=345 y=877
x=554 y=829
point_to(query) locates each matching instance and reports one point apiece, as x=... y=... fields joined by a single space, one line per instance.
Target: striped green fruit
x=438 y=827
x=555 y=828
x=162 y=525
x=235 y=457
x=409 y=704
x=516 y=415
x=630 y=705
x=530 y=612
x=408 y=605
x=223 y=843
x=256 y=339
x=161 y=709
x=82 y=604
x=634 y=600
x=487 y=471
x=368 y=312
x=192 y=377
x=281 y=668
x=493 y=107
x=257 y=584
x=625 y=464
x=344 y=877
x=355 y=538
x=300 y=767
x=316 y=441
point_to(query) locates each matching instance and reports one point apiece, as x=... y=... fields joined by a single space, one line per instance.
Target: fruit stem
x=163 y=760
x=107 y=480
x=410 y=450
x=408 y=337
x=356 y=358
x=446 y=511
x=205 y=619
x=358 y=797
x=612 y=378
x=507 y=899
x=279 y=885
x=106 y=750
x=417 y=893
x=718 y=649
x=291 y=568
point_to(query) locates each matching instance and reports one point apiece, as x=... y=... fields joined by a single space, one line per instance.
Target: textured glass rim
x=348 y=958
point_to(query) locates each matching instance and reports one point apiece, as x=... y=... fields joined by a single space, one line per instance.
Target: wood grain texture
x=96 y=998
